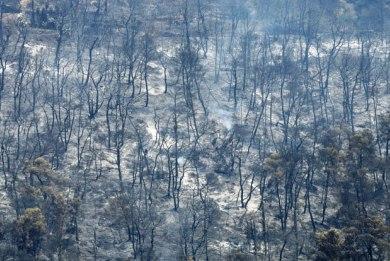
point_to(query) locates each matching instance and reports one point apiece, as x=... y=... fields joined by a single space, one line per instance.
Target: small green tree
x=363 y=239
x=366 y=239
x=361 y=167
x=329 y=244
x=42 y=188
x=331 y=156
x=30 y=229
